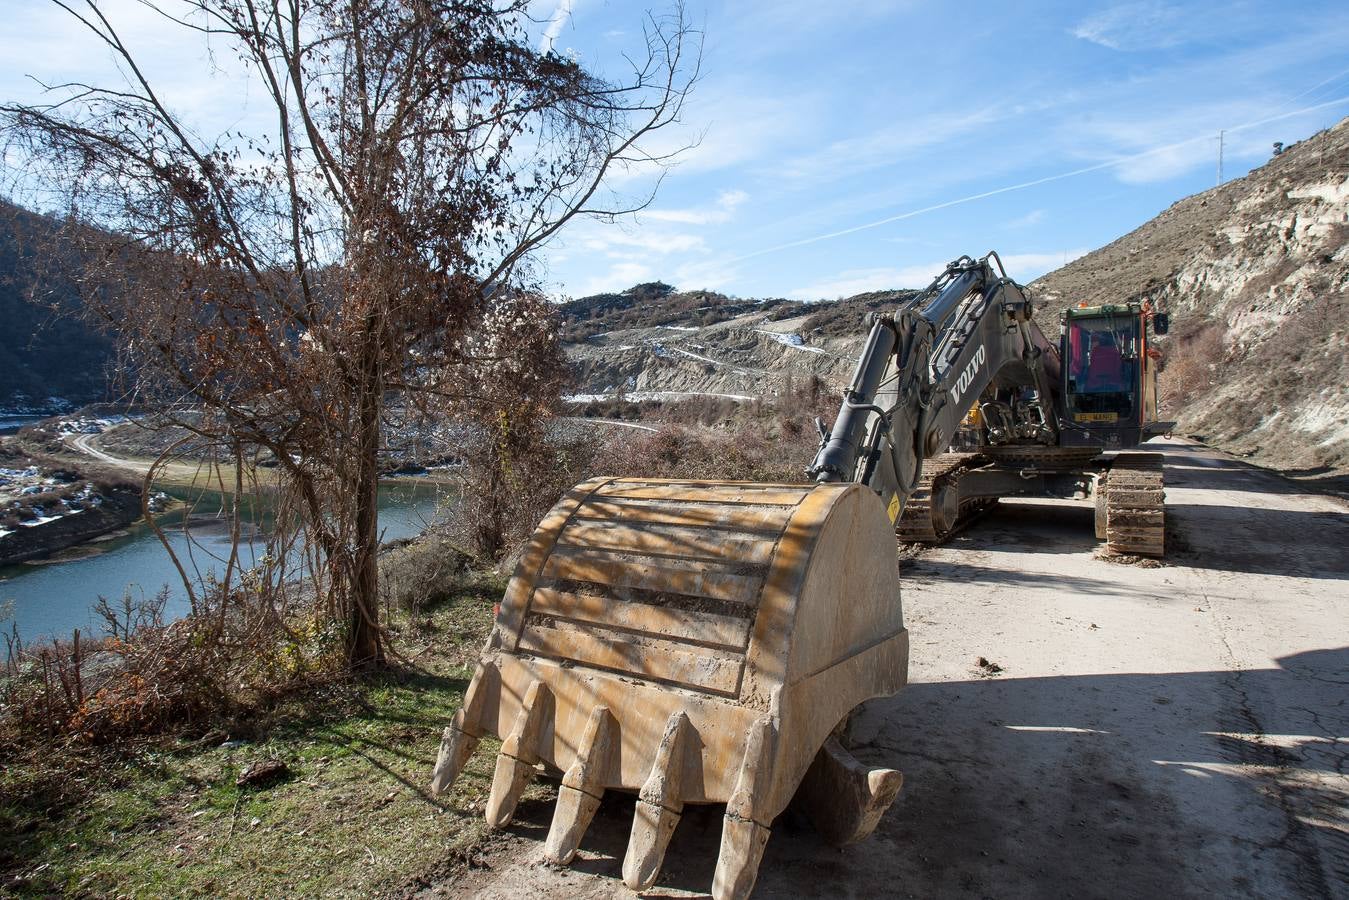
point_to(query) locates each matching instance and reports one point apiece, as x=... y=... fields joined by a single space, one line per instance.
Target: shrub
x=1193 y=364
x=238 y=652
x=420 y=574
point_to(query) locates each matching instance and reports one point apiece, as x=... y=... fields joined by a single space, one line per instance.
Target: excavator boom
x=920 y=370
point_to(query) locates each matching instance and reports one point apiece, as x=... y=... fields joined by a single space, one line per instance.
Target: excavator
x=704 y=642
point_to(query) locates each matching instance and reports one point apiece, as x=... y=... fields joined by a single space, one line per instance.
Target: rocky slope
x=748 y=350
x=1255 y=274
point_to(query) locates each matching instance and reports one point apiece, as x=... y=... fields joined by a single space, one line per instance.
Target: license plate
x=1096 y=417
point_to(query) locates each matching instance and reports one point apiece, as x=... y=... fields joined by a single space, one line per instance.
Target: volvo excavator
x=706 y=642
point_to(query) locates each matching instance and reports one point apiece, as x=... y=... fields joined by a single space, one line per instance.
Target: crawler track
x=1135 y=518
x=1038 y=456
x=929 y=521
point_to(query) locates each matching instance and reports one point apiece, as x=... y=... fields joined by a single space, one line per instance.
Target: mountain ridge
x=50 y=357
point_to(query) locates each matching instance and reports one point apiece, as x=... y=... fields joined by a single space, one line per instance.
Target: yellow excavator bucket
x=693 y=642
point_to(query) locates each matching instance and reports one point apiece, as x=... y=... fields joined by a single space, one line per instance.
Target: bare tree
x=291 y=285
x=513 y=472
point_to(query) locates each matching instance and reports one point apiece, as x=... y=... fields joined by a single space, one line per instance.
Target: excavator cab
x=1109 y=376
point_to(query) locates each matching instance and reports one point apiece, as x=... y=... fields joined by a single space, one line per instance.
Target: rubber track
x=915 y=526
x=1135 y=512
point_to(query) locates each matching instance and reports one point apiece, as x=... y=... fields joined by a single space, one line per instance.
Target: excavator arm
x=923 y=367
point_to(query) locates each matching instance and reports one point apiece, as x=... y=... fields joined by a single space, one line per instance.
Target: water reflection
x=56 y=597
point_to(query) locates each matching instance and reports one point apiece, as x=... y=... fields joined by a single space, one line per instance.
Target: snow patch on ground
x=644 y=396
x=679 y=327
x=787 y=339
x=90 y=425
x=40 y=520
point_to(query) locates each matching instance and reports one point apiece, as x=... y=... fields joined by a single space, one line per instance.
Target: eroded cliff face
x=1262 y=264
x=746 y=357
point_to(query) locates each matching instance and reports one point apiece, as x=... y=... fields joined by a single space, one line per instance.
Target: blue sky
x=840 y=144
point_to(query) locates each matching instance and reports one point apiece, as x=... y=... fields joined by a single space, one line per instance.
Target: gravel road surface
x=1179 y=730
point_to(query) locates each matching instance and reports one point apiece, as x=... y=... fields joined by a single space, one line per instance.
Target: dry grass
x=163 y=816
x=1194 y=363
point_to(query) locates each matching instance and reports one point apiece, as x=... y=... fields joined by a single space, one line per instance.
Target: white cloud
x=1155 y=144
x=620 y=276
x=721 y=211
x=661 y=243
x=1129 y=27
x=199 y=78
x=888 y=146
x=708 y=275
x=856 y=281
x=1024 y=267
x=720 y=129
x=1034 y=217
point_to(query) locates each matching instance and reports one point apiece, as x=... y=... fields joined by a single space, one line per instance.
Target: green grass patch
x=352 y=816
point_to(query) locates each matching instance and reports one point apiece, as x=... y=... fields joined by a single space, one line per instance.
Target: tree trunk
x=365 y=641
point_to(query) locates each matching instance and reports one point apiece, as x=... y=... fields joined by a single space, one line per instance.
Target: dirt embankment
x=748 y=356
x=118 y=509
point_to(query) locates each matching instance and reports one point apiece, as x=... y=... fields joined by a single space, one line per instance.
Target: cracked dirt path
x=1178 y=731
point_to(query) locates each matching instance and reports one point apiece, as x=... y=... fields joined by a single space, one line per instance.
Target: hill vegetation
x=46 y=350
x=653 y=304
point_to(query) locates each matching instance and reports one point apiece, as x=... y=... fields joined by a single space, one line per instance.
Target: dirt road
x=1178 y=731
x=84 y=443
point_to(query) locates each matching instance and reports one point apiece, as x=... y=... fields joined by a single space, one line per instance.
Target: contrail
x=1026 y=184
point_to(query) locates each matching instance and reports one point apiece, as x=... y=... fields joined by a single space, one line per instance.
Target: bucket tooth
x=744 y=833
x=582 y=788
x=519 y=754
x=461 y=736
x=659 y=806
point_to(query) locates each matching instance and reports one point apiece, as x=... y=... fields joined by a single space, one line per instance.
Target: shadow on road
x=1260 y=536
x=1110 y=785
x=1193 y=466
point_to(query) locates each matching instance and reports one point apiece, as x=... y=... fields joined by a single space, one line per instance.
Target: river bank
x=118 y=509
x=348 y=815
x=61 y=449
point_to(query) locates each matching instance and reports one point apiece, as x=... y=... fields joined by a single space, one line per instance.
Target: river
x=54 y=598
x=11 y=422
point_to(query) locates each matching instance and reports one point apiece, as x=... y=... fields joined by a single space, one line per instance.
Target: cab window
x=1102 y=356
x=1101 y=369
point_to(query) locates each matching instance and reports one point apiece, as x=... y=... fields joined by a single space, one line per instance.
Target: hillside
x=1255 y=274
x=651 y=342
x=46 y=350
